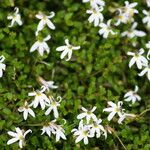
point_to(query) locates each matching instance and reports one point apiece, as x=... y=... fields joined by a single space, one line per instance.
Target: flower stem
x=143 y=112
x=120 y=140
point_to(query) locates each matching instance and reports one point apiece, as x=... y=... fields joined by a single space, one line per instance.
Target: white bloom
x=148 y=46
x=45 y=20
x=132 y=95
x=125 y=115
x=133 y=32
x=41 y=46
x=95 y=3
x=97 y=128
x=138 y=59
x=114 y=109
x=52 y=127
x=40 y=98
x=106 y=29
x=96 y=16
x=88 y=114
x=48 y=128
x=59 y=133
x=67 y=50
x=82 y=133
x=48 y=84
x=26 y=110
x=146 y=71
x=19 y=135
x=53 y=104
x=148 y=3
x=129 y=8
x=15 y=18
x=146 y=19
x=122 y=17
x=2 y=65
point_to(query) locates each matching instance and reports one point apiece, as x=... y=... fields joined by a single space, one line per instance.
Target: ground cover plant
x=74 y=74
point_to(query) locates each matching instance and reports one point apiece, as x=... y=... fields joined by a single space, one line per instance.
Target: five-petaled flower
x=40 y=98
x=41 y=46
x=146 y=19
x=132 y=95
x=96 y=16
x=82 y=133
x=97 y=128
x=88 y=114
x=67 y=50
x=2 y=65
x=53 y=104
x=114 y=109
x=15 y=18
x=26 y=110
x=48 y=84
x=125 y=115
x=138 y=59
x=146 y=71
x=19 y=135
x=133 y=32
x=45 y=20
x=106 y=29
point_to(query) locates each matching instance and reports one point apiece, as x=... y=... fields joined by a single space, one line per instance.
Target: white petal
x=132 y=61
x=40 y=25
x=111 y=115
x=34 y=46
x=61 y=48
x=12 y=141
x=82 y=115
x=50 y=24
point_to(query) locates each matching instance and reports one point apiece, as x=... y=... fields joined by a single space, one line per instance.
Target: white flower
x=52 y=127
x=53 y=104
x=41 y=46
x=88 y=114
x=132 y=95
x=138 y=59
x=67 y=50
x=59 y=133
x=82 y=133
x=2 y=65
x=95 y=3
x=129 y=8
x=26 y=110
x=19 y=135
x=133 y=32
x=114 y=109
x=125 y=115
x=122 y=17
x=45 y=20
x=96 y=16
x=48 y=84
x=15 y=18
x=146 y=71
x=148 y=46
x=106 y=29
x=48 y=128
x=148 y=3
x=97 y=128
x=146 y=19
x=40 y=98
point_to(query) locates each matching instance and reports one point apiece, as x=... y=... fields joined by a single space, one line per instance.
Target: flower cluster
x=41 y=99
x=89 y=126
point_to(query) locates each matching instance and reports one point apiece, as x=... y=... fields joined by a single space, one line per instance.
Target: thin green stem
x=120 y=140
x=143 y=112
x=34 y=125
